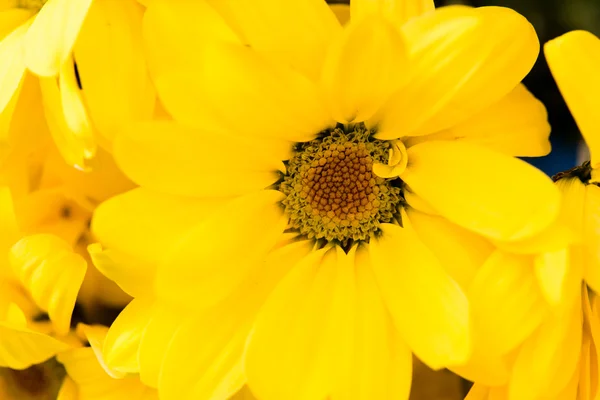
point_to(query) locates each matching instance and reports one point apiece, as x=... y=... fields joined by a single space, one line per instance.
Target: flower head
x=288 y=218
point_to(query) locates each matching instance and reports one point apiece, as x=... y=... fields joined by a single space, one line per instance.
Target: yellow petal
x=398 y=11
x=218 y=335
x=175 y=159
x=233 y=241
x=22 y=347
x=381 y=363
x=75 y=113
x=95 y=335
x=133 y=276
x=51 y=37
x=455 y=51
x=289 y=353
x=574 y=59
x=76 y=147
x=516 y=125
x=548 y=359
x=397 y=161
x=111 y=65
x=11 y=18
x=356 y=84
x=12 y=68
x=487 y=192
x=10 y=230
x=143 y=224
x=175 y=31
x=94 y=384
x=558 y=277
x=506 y=302
x=304 y=29
x=461 y=253
x=53 y=274
x=120 y=348
x=214 y=369
x=68 y=390
x=591 y=236
x=484 y=367
x=241 y=90
x=157 y=336
x=427 y=305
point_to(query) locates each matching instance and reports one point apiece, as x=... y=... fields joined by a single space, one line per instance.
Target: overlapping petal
x=427 y=305
x=482 y=190
x=203 y=268
x=47 y=266
x=51 y=37
x=172 y=158
x=516 y=125
x=304 y=29
x=397 y=11
x=363 y=67
x=241 y=90
x=454 y=52
x=112 y=67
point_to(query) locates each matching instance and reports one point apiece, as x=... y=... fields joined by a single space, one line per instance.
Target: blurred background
x=551 y=18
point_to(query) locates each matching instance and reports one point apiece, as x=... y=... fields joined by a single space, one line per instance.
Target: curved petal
x=143 y=224
x=487 y=192
x=243 y=91
x=558 y=275
x=121 y=344
x=215 y=368
x=290 y=352
x=51 y=37
x=297 y=32
x=53 y=274
x=574 y=59
x=548 y=359
x=460 y=252
x=456 y=51
x=380 y=365
x=516 y=126
x=94 y=384
x=22 y=347
x=111 y=65
x=72 y=135
x=363 y=67
x=591 y=236
x=164 y=322
x=12 y=69
x=506 y=302
x=174 y=32
x=172 y=158
x=215 y=257
x=428 y=307
x=398 y=11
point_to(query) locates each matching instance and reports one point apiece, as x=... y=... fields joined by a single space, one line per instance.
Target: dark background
x=551 y=18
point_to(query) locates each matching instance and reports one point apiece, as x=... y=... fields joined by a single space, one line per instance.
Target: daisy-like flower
x=323 y=195
x=44 y=39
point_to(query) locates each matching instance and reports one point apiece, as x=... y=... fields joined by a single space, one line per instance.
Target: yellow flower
x=323 y=196
x=66 y=44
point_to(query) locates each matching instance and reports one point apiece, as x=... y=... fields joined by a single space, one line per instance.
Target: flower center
x=33 y=5
x=331 y=190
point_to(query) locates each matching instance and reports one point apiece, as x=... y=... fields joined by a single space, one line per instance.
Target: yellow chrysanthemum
x=323 y=196
x=46 y=38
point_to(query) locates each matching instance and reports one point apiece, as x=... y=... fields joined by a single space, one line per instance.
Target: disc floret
x=331 y=190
